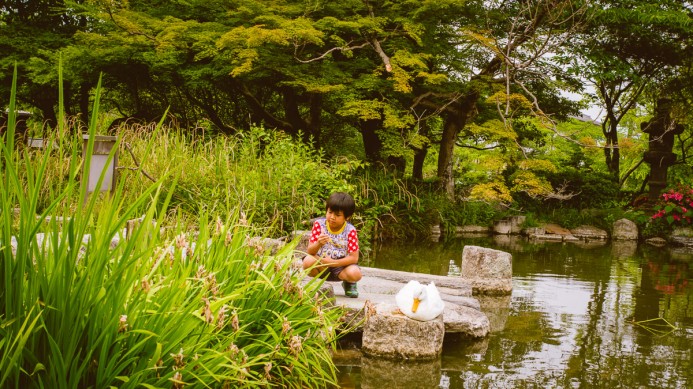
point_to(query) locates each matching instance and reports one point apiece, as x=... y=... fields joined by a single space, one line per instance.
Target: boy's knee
x=353 y=273
x=308 y=261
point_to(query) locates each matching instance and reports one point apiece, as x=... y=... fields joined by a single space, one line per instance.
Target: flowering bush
x=676 y=206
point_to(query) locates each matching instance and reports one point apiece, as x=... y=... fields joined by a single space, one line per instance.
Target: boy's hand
x=327 y=261
x=323 y=239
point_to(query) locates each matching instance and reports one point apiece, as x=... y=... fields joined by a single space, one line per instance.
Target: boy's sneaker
x=350 y=289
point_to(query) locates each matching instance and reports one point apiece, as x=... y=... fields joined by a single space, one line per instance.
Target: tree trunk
x=417 y=166
x=45 y=101
x=612 y=153
x=451 y=128
x=292 y=113
x=314 y=124
x=420 y=153
x=371 y=142
x=454 y=121
x=84 y=98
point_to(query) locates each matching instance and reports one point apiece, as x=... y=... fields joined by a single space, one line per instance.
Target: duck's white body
x=420 y=302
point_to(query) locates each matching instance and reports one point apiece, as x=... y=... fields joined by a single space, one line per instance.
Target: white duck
x=420 y=302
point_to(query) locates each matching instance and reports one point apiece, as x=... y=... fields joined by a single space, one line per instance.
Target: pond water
x=580 y=315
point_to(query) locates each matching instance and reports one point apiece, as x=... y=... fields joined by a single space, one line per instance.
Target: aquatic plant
x=658 y=326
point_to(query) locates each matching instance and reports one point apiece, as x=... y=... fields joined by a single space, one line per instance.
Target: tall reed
x=83 y=306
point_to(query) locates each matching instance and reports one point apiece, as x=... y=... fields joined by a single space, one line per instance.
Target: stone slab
x=462 y=312
x=395 y=336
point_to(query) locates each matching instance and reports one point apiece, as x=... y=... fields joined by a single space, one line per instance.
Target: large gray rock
x=489 y=271
x=395 y=336
x=551 y=228
x=657 y=241
x=589 y=232
x=530 y=231
x=469 y=321
x=265 y=245
x=502 y=227
x=510 y=225
x=682 y=236
x=436 y=233
x=516 y=223
x=471 y=230
x=548 y=237
x=625 y=229
x=303 y=237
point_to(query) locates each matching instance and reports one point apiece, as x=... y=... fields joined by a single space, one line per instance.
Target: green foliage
x=492 y=192
x=387 y=207
x=530 y=220
x=411 y=208
x=473 y=213
x=262 y=173
x=569 y=218
x=85 y=306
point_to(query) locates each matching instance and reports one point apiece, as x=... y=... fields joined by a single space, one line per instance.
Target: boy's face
x=335 y=219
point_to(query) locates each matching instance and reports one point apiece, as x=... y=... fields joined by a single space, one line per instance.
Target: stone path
x=378 y=286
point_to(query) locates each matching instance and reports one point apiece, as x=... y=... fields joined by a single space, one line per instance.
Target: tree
x=36 y=29
x=506 y=58
x=630 y=46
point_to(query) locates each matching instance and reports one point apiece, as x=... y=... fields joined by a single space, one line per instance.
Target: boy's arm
x=313 y=248
x=317 y=239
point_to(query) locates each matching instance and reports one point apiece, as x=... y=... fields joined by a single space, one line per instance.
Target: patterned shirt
x=340 y=244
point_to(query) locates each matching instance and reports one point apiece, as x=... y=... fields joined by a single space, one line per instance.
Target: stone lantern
x=661 y=129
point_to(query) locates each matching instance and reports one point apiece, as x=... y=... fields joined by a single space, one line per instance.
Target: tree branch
x=328 y=52
x=477 y=148
x=383 y=56
x=134 y=159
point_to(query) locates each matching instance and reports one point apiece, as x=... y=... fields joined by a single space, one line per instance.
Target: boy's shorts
x=332 y=273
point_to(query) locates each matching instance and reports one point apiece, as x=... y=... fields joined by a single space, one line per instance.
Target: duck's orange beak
x=415 y=306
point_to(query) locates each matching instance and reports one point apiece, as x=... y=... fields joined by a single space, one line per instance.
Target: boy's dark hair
x=340 y=201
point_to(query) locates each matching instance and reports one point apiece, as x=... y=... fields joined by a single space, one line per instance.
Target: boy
x=334 y=245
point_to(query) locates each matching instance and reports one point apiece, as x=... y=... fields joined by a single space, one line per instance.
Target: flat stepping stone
x=395 y=336
x=378 y=287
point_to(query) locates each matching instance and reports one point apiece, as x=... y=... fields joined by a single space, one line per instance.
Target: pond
x=580 y=315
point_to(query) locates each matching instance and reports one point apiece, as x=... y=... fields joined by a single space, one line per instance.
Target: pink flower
x=677 y=217
x=659 y=214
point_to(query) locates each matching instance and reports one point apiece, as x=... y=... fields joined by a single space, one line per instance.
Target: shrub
x=675 y=206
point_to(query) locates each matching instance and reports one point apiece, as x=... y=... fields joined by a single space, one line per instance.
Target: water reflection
x=624 y=249
x=572 y=320
x=497 y=309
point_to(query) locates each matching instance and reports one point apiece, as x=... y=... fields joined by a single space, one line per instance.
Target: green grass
x=79 y=311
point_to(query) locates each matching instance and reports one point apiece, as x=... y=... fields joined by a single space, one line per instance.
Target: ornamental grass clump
x=675 y=206
x=82 y=306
